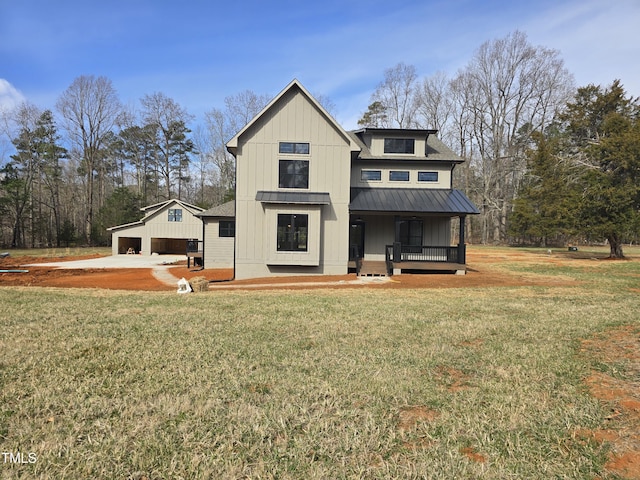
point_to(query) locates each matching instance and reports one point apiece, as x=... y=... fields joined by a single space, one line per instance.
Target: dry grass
x=456 y=383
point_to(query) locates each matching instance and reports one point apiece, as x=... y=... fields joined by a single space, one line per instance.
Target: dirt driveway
x=158 y=273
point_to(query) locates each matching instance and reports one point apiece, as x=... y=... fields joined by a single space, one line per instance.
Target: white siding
x=218 y=251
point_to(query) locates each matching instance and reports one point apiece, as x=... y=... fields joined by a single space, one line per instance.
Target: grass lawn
x=451 y=383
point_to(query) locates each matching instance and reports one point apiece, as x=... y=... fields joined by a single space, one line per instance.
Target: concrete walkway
x=159 y=265
x=116 y=261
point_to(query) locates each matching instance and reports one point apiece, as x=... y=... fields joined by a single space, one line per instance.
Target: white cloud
x=10 y=97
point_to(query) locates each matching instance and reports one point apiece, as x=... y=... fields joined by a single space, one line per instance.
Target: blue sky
x=198 y=52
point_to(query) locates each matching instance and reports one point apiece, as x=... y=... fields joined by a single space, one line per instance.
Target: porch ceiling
x=411 y=200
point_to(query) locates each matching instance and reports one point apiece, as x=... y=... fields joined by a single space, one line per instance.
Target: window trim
x=293 y=176
x=297 y=148
x=290 y=242
x=369 y=170
x=425 y=172
x=392 y=146
x=175 y=215
x=403 y=172
x=226 y=228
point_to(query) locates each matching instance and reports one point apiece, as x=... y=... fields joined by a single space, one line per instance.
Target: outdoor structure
x=165 y=229
x=312 y=198
x=219 y=227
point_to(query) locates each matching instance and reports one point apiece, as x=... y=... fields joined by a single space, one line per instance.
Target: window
x=227 y=228
x=399 y=145
x=295 y=148
x=294 y=174
x=411 y=232
x=398 y=176
x=292 y=232
x=427 y=176
x=175 y=214
x=366 y=175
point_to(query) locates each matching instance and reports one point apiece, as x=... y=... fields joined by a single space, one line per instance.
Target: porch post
x=462 y=251
x=397 y=246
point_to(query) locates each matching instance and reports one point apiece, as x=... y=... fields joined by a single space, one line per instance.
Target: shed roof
x=411 y=200
x=300 y=198
x=225 y=210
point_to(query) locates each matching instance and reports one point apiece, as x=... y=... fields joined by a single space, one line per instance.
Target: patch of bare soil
x=619 y=347
x=481 y=273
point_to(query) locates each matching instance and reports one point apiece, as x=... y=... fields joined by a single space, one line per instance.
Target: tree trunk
x=615 y=246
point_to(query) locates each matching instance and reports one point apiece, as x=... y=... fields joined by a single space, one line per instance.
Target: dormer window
x=399 y=145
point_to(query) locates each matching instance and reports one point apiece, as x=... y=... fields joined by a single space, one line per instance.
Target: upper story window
x=427 y=176
x=294 y=148
x=370 y=175
x=399 y=145
x=175 y=214
x=293 y=174
x=399 y=176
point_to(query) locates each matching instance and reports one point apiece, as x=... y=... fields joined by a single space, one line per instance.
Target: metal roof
x=301 y=198
x=411 y=200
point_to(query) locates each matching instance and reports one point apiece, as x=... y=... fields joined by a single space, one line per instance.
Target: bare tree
x=511 y=89
x=396 y=93
x=90 y=108
x=222 y=125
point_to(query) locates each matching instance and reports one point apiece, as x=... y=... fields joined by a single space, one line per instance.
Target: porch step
x=371 y=268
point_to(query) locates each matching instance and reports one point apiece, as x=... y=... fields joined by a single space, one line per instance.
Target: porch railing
x=422 y=253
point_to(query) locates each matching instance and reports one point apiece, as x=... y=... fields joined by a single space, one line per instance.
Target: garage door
x=169 y=246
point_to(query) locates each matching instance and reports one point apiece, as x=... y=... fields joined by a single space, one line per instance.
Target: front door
x=356 y=240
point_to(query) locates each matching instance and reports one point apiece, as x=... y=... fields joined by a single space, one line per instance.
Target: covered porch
x=396 y=230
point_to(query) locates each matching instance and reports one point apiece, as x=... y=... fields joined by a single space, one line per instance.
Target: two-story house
x=312 y=198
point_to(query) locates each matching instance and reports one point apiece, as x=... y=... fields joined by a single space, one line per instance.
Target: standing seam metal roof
x=411 y=200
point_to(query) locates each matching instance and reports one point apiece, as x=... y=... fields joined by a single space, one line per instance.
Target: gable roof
x=159 y=206
x=153 y=210
x=232 y=144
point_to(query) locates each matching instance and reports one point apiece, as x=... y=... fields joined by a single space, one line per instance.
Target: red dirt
x=620 y=346
x=472 y=455
x=480 y=274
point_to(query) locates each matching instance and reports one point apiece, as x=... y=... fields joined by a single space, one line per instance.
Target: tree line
x=96 y=163
x=546 y=162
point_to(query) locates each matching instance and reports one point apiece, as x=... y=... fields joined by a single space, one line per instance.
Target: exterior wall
x=380 y=231
x=376 y=146
x=293 y=118
x=158 y=226
x=218 y=251
x=444 y=174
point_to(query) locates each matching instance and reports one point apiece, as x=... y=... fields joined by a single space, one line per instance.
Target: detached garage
x=165 y=229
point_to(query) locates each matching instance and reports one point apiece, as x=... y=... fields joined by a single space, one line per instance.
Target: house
x=312 y=198
x=165 y=229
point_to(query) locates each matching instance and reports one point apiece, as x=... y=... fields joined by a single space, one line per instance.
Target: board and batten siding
x=380 y=231
x=293 y=118
x=157 y=225
x=444 y=174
